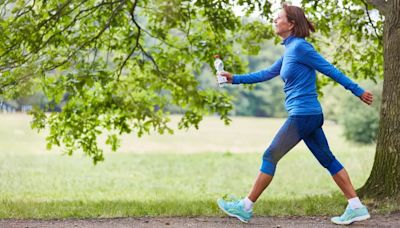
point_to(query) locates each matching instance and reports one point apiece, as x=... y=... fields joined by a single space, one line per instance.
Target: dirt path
x=392 y=220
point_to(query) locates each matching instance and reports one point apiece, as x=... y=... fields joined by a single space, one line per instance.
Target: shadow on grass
x=333 y=204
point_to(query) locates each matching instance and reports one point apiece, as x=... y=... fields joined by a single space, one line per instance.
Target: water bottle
x=219 y=67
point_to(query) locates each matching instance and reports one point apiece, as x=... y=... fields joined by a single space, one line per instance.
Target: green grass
x=179 y=175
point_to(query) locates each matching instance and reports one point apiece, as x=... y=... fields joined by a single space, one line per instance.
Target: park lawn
x=179 y=175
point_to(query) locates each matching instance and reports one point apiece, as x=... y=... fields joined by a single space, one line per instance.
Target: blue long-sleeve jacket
x=297 y=69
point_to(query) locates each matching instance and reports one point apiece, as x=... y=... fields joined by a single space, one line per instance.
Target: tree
x=120 y=62
x=384 y=180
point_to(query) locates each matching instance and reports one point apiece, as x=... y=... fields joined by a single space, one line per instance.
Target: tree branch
x=381 y=5
x=73 y=52
x=24 y=78
x=95 y=53
x=25 y=58
x=115 y=11
x=73 y=22
x=151 y=59
x=152 y=35
x=370 y=21
x=62 y=7
x=189 y=27
x=315 y=5
x=131 y=12
x=90 y=40
x=28 y=9
x=159 y=39
x=140 y=46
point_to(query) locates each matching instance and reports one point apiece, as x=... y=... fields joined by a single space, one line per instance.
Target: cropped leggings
x=295 y=129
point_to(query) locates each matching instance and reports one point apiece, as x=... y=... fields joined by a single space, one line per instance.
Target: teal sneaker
x=352 y=215
x=235 y=209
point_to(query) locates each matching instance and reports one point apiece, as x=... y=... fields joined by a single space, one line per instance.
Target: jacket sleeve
x=260 y=76
x=310 y=57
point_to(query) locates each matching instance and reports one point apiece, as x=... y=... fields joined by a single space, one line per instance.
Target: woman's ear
x=292 y=24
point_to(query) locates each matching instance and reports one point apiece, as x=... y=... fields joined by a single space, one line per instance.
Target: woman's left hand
x=367 y=97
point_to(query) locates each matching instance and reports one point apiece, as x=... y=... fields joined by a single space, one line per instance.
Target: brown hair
x=302 y=26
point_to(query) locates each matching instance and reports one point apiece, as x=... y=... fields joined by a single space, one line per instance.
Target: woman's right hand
x=367 y=97
x=228 y=76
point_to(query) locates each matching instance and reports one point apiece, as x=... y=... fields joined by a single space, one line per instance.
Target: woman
x=297 y=69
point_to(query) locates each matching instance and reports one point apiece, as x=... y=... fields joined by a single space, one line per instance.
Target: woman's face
x=282 y=26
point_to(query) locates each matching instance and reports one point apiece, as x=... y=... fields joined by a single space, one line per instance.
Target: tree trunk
x=384 y=180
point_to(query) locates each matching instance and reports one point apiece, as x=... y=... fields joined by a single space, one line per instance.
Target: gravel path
x=392 y=220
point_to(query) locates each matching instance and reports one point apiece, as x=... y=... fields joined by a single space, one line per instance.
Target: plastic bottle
x=219 y=67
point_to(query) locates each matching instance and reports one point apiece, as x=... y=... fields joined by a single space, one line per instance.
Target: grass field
x=181 y=174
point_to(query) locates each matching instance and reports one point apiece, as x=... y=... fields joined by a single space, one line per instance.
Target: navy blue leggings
x=295 y=129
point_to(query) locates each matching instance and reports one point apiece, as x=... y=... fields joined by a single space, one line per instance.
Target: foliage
x=361 y=124
x=356 y=29
x=119 y=63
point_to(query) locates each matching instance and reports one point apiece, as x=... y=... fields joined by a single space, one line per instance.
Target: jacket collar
x=287 y=40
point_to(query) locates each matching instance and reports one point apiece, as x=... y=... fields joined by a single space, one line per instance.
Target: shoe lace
x=346 y=213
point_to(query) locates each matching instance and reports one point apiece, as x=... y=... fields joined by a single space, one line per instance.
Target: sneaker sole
x=232 y=215
x=356 y=219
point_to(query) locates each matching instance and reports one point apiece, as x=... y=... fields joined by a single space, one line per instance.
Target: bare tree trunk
x=384 y=181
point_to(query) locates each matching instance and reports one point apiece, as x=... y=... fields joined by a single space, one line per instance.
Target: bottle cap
x=217 y=56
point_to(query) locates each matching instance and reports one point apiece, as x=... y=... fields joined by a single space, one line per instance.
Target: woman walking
x=297 y=69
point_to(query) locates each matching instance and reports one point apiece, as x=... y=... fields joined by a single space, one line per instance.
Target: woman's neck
x=286 y=35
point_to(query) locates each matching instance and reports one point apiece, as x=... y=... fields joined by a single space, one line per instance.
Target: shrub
x=361 y=122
